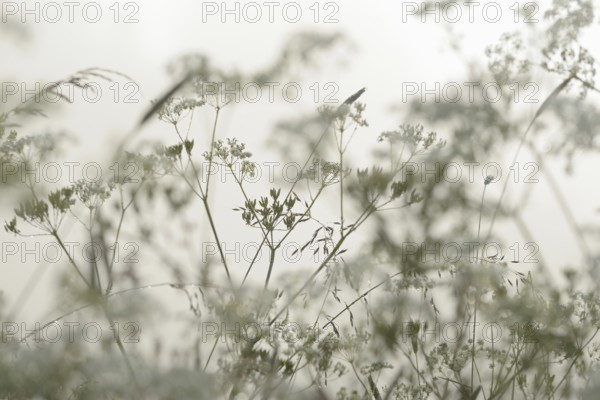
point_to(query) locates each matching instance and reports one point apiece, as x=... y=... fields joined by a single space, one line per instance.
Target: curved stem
x=540 y=110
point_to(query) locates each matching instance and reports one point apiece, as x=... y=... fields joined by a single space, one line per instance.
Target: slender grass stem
x=71 y=261
x=212 y=352
x=341 y=157
x=216 y=235
x=271 y=263
x=94 y=258
x=539 y=112
x=203 y=195
x=212 y=143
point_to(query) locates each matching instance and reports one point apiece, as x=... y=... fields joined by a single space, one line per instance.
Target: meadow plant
x=368 y=316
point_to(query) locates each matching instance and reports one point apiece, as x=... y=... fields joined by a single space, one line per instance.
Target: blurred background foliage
x=373 y=307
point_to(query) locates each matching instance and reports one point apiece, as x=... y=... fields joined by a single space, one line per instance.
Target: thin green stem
x=212 y=142
x=493 y=361
x=564 y=205
x=212 y=352
x=177 y=286
x=293 y=375
x=271 y=263
x=203 y=195
x=539 y=112
x=105 y=310
x=124 y=208
x=341 y=154
x=121 y=347
x=362 y=296
x=216 y=236
x=253 y=261
x=475 y=294
x=71 y=261
x=94 y=259
x=473 y=347
x=358 y=376
x=480 y=216
x=418 y=376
